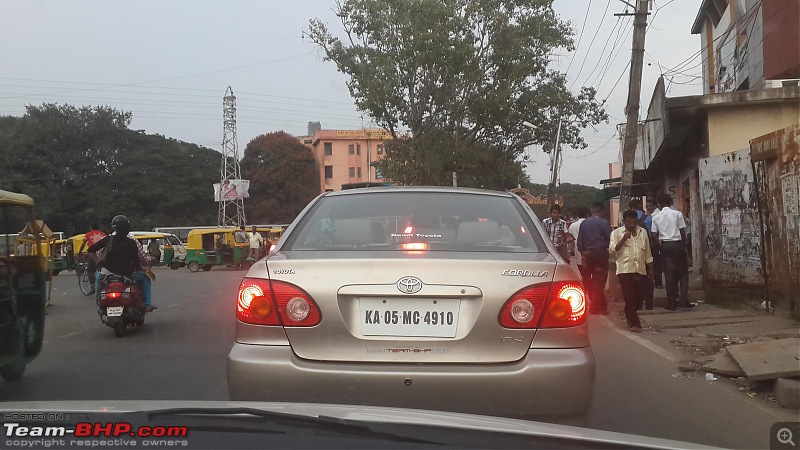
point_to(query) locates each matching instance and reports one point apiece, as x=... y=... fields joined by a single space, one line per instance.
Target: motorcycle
x=121 y=303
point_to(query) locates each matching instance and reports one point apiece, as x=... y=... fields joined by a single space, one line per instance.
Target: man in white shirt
x=256 y=241
x=669 y=233
x=574 y=230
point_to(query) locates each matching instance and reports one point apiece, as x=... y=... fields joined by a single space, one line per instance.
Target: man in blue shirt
x=593 y=240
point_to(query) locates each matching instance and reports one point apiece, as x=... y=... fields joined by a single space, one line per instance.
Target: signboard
x=365 y=134
x=231 y=190
x=378 y=171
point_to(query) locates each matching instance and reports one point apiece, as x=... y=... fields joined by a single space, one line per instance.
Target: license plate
x=114 y=311
x=409 y=317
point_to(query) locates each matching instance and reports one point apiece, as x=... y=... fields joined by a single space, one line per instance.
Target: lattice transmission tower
x=231 y=211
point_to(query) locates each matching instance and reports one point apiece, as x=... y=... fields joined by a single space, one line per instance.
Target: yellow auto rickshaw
x=23 y=290
x=30 y=242
x=208 y=247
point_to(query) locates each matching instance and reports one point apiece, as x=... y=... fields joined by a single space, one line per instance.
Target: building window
x=328 y=190
x=328 y=149
x=328 y=172
x=380 y=149
x=359 y=172
x=358 y=149
x=307 y=141
x=352 y=172
x=350 y=149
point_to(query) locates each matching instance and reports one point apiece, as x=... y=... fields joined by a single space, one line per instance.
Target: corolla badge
x=409 y=285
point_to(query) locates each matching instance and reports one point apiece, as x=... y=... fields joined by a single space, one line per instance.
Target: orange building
x=345 y=156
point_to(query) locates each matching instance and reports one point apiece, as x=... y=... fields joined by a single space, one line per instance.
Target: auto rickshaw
x=44 y=243
x=161 y=246
x=208 y=247
x=23 y=290
x=271 y=237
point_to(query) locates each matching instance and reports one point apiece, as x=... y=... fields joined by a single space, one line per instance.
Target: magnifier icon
x=785 y=436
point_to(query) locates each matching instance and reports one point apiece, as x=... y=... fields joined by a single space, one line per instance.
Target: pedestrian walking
x=557 y=228
x=574 y=230
x=593 y=241
x=631 y=247
x=669 y=230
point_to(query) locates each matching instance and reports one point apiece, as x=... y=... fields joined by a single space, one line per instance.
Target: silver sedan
x=432 y=298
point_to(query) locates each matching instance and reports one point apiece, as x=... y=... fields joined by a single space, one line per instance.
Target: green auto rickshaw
x=161 y=246
x=208 y=247
x=23 y=288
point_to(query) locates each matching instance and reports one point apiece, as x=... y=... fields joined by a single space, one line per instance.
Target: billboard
x=231 y=190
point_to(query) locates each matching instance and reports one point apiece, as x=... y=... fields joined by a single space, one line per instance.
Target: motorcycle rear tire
x=119 y=329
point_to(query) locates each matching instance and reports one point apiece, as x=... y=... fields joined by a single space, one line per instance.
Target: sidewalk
x=699 y=339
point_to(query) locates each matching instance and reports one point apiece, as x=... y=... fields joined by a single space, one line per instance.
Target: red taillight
x=547 y=305
x=272 y=248
x=524 y=308
x=264 y=302
x=408 y=230
x=254 y=303
x=114 y=294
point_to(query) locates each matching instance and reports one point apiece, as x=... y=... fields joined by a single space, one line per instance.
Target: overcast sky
x=169 y=62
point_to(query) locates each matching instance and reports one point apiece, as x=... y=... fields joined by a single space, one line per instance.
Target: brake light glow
x=567 y=306
x=272 y=248
x=114 y=294
x=414 y=246
x=266 y=302
x=408 y=230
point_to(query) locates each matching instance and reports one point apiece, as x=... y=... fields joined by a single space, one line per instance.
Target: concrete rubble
x=758 y=351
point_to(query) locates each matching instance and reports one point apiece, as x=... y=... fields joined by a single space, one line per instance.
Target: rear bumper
x=546 y=382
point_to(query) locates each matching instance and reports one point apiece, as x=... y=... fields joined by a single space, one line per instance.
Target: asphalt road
x=180 y=354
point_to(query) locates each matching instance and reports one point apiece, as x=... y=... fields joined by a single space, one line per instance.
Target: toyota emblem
x=409 y=285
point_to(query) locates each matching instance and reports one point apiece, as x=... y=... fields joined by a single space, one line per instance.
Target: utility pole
x=554 y=161
x=632 y=108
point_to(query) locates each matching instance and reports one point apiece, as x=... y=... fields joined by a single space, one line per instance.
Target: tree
x=454 y=79
x=84 y=165
x=283 y=177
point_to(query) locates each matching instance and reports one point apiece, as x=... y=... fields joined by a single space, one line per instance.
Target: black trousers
x=657 y=263
x=635 y=287
x=676 y=272
x=596 y=262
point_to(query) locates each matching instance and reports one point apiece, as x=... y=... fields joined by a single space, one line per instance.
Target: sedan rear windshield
x=421 y=221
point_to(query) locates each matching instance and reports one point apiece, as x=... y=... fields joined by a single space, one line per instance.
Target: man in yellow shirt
x=631 y=247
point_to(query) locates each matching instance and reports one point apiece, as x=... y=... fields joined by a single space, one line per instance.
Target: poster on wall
x=732 y=223
x=231 y=190
x=790 y=186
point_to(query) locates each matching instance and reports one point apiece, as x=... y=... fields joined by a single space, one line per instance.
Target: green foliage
x=574 y=195
x=283 y=177
x=83 y=165
x=455 y=79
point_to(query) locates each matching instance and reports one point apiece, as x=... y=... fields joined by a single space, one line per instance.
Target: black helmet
x=121 y=225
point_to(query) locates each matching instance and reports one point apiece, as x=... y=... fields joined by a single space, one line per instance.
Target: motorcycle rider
x=127 y=258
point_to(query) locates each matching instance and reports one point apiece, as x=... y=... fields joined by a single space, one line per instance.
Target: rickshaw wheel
x=207 y=267
x=194 y=266
x=119 y=329
x=12 y=375
x=56 y=272
x=174 y=265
